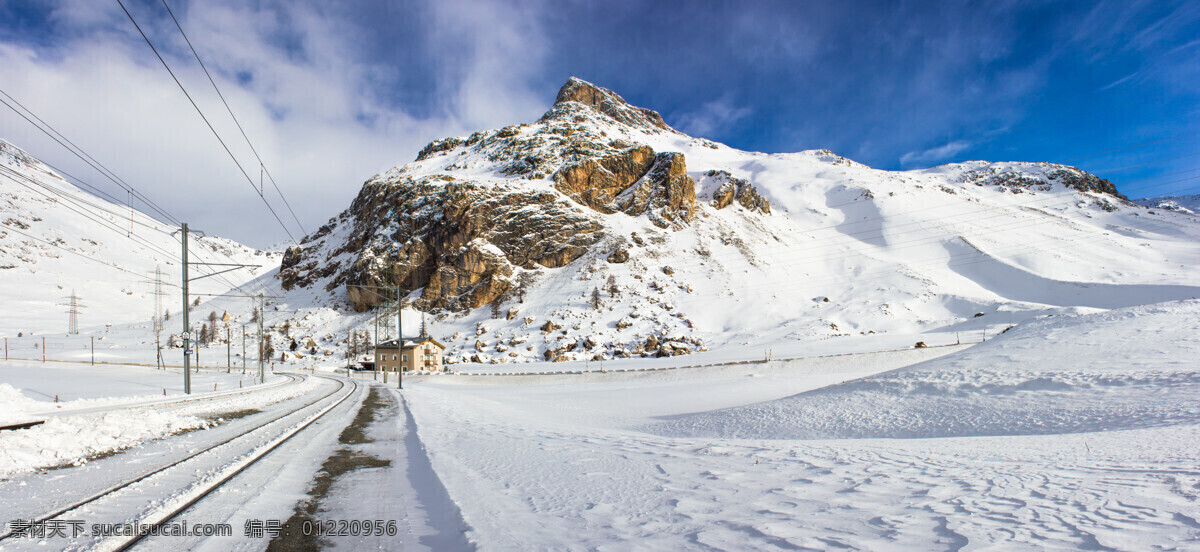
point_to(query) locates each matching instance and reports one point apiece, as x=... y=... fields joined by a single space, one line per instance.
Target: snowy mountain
x=56 y=239
x=598 y=232
x=1189 y=204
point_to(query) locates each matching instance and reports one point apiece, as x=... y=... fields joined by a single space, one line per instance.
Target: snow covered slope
x=56 y=238
x=1128 y=368
x=1189 y=204
x=599 y=232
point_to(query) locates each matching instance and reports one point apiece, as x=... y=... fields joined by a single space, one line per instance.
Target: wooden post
x=93 y=350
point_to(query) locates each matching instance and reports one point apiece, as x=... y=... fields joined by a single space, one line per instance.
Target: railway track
x=216 y=464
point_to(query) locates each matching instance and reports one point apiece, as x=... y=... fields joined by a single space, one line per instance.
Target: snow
x=1188 y=204
x=103 y=409
x=1066 y=432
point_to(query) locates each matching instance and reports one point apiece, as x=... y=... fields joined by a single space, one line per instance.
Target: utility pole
x=43 y=350
x=262 y=313
x=93 y=350
x=243 y=348
x=375 y=352
x=228 y=363
x=187 y=378
x=400 y=343
x=158 y=317
x=187 y=368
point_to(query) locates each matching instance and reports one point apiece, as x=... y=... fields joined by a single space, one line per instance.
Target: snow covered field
x=102 y=409
x=1067 y=432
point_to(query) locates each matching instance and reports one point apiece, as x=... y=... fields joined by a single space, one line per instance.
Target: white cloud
x=712 y=118
x=303 y=106
x=934 y=155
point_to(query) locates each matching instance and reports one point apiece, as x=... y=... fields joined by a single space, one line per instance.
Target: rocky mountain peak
x=611 y=104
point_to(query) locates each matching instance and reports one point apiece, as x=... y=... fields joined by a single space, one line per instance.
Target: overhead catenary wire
x=55 y=135
x=71 y=251
x=91 y=161
x=206 y=121
x=234 y=117
x=94 y=212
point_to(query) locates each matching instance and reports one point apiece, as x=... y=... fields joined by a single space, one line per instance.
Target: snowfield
x=1067 y=432
x=106 y=409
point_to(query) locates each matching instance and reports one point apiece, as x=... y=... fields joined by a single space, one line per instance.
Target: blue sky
x=334 y=93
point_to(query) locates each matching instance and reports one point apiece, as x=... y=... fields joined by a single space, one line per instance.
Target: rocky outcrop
x=1017 y=182
x=461 y=241
x=596 y=182
x=723 y=189
x=635 y=181
x=607 y=102
x=666 y=193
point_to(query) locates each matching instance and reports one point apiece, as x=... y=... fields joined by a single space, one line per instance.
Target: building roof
x=409 y=344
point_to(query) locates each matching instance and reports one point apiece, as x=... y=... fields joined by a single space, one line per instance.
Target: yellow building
x=423 y=354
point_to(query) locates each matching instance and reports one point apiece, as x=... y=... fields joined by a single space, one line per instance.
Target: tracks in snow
x=159 y=495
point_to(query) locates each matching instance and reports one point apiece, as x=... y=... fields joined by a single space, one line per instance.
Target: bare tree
x=267 y=349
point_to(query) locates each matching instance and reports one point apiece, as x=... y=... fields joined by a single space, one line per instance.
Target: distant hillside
x=55 y=238
x=1189 y=204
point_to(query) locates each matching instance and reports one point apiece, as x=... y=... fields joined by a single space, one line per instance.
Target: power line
x=1120 y=169
x=1135 y=146
x=81 y=154
x=234 y=117
x=56 y=246
x=91 y=161
x=79 y=206
x=206 y=121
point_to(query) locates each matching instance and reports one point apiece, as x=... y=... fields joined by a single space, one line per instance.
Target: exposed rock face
x=1070 y=177
x=724 y=189
x=666 y=193
x=609 y=103
x=596 y=182
x=635 y=181
x=460 y=240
